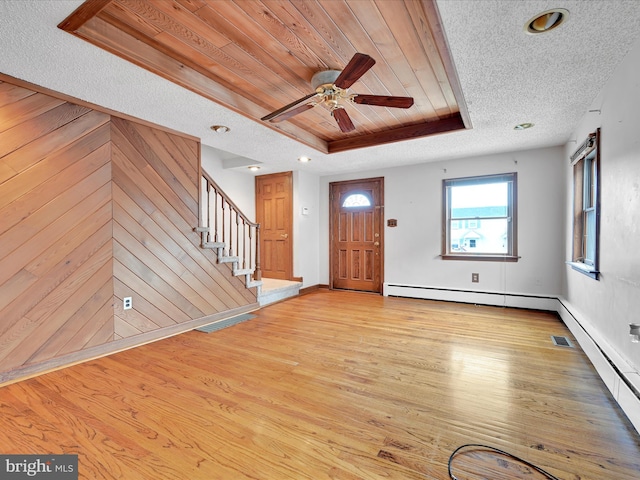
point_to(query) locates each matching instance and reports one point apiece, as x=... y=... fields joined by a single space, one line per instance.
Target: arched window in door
x=356 y=200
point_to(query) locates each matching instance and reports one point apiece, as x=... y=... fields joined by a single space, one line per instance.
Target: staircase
x=229 y=233
x=221 y=250
x=269 y=290
x=236 y=241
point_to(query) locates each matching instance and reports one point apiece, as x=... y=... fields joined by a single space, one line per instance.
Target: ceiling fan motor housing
x=325 y=78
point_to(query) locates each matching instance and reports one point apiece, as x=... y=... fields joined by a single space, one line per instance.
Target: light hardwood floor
x=333 y=385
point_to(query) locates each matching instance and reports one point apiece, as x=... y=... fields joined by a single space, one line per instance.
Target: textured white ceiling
x=507 y=77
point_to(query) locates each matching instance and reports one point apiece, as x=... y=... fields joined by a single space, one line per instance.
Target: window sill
x=587 y=270
x=482 y=258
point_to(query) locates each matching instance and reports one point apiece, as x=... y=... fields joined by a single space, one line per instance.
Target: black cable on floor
x=502 y=452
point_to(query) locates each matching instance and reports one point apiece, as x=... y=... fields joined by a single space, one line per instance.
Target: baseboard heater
x=621 y=379
x=478 y=297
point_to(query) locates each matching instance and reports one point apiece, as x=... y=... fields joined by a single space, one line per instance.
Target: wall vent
x=561 y=341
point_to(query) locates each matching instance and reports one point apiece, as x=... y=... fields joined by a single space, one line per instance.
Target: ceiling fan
x=332 y=90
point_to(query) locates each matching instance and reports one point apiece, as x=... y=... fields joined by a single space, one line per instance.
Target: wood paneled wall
x=157 y=258
x=56 y=285
x=94 y=208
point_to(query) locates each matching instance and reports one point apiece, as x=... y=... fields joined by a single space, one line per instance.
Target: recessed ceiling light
x=304 y=159
x=547 y=20
x=523 y=126
x=254 y=168
x=220 y=128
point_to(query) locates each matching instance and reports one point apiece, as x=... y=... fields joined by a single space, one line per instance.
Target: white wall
x=306 y=228
x=413 y=196
x=608 y=305
x=239 y=186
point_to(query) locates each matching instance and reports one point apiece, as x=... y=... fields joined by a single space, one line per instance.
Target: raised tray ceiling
x=257 y=56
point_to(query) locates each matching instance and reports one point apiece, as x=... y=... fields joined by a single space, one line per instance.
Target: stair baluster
x=218 y=232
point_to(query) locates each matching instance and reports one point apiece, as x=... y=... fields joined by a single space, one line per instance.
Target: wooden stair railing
x=228 y=231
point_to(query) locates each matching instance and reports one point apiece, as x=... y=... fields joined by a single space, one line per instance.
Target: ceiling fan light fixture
x=523 y=126
x=546 y=21
x=220 y=128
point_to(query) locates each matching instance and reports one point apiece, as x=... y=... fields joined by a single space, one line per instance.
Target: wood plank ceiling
x=255 y=56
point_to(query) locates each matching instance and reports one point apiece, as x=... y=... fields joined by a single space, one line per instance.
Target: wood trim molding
x=440 y=39
x=482 y=258
x=116 y=346
x=311 y=289
x=93 y=106
x=392 y=135
x=82 y=14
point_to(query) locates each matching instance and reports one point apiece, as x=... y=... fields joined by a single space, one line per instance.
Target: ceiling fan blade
x=384 y=101
x=282 y=110
x=294 y=111
x=344 y=122
x=357 y=66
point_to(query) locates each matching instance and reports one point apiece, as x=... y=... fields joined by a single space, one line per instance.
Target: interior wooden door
x=274 y=214
x=357 y=235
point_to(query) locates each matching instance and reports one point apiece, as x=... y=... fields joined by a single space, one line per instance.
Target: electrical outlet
x=475 y=277
x=127 y=303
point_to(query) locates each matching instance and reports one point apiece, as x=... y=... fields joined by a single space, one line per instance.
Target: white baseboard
x=622 y=380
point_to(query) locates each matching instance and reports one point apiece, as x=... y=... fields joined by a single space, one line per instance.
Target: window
x=586 y=205
x=356 y=200
x=480 y=218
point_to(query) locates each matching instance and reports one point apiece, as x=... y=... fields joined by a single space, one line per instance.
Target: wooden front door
x=274 y=214
x=357 y=234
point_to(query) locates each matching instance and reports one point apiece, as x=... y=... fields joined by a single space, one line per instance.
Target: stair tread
x=243 y=271
x=228 y=259
x=214 y=245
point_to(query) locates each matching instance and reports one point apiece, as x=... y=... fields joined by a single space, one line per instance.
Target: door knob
x=284 y=235
x=376 y=244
